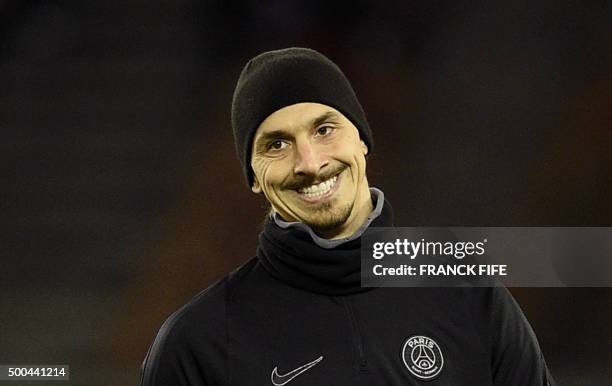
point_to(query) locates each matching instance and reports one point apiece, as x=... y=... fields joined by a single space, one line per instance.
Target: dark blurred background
x=122 y=196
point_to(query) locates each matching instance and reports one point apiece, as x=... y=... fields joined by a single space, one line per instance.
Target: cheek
x=257 y=164
x=260 y=169
x=350 y=150
x=358 y=168
x=268 y=172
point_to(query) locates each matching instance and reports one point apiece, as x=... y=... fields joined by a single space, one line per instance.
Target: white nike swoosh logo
x=280 y=380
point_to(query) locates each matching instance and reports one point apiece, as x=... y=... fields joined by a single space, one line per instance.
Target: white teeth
x=319 y=189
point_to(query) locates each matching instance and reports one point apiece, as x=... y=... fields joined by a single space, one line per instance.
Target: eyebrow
x=270 y=136
x=279 y=134
x=326 y=116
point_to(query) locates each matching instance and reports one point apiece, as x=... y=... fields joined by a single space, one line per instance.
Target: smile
x=321 y=190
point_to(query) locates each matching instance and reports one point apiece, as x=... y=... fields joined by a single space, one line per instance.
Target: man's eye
x=277 y=145
x=324 y=130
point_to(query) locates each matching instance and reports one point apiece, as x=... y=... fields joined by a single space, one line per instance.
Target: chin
x=329 y=219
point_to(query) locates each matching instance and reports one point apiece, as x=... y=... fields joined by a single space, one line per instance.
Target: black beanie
x=276 y=79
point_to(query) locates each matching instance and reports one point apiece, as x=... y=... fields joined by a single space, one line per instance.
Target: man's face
x=310 y=164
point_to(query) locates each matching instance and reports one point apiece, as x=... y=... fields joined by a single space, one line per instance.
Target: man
x=296 y=313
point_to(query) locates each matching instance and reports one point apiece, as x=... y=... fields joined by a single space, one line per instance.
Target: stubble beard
x=326 y=218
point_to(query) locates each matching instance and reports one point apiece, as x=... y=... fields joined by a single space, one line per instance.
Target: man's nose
x=308 y=159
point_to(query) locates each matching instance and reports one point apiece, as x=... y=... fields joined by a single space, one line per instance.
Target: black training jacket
x=296 y=315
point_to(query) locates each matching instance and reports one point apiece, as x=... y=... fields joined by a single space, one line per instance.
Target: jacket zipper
x=357 y=336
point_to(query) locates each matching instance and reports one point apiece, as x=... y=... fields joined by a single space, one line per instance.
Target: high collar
x=378 y=199
x=294 y=254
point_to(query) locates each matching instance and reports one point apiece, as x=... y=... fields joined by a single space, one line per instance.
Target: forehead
x=295 y=117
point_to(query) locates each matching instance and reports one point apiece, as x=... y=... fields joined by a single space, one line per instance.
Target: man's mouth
x=320 y=190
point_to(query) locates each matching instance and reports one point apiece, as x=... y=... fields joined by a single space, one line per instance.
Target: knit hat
x=276 y=79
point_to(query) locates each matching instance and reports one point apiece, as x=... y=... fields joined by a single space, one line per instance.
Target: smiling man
x=296 y=312
x=309 y=161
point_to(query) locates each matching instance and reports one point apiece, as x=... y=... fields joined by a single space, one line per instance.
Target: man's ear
x=256 y=188
x=364 y=147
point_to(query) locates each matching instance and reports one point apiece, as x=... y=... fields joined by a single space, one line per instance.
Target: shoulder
x=484 y=302
x=192 y=335
x=204 y=312
x=172 y=358
x=516 y=356
x=493 y=309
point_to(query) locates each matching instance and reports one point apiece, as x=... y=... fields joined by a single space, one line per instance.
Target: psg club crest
x=423 y=357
